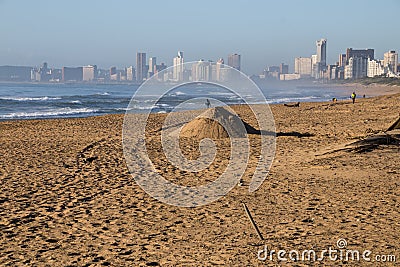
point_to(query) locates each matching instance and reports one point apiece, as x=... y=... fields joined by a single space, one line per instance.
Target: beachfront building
x=152 y=66
x=314 y=69
x=158 y=69
x=390 y=60
x=333 y=72
x=303 y=66
x=357 y=63
x=342 y=60
x=359 y=53
x=89 y=73
x=218 y=66
x=289 y=76
x=15 y=73
x=41 y=74
x=319 y=67
x=202 y=71
x=72 y=74
x=234 y=61
x=283 y=68
x=130 y=73
x=271 y=73
x=321 y=52
x=141 y=69
x=356 y=68
x=177 y=72
x=375 y=68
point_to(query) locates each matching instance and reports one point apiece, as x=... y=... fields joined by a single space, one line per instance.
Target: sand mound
x=217 y=123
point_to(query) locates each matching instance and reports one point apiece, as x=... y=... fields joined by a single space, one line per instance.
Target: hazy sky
x=106 y=33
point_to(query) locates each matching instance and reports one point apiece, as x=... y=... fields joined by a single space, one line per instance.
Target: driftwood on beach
x=292 y=105
x=390 y=137
x=369 y=143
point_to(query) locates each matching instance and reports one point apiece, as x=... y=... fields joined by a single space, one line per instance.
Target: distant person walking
x=353 y=97
x=208 y=104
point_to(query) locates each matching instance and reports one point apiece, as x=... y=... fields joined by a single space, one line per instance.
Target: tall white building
x=314 y=65
x=89 y=72
x=130 y=73
x=303 y=66
x=320 y=66
x=178 y=67
x=234 y=61
x=375 y=68
x=202 y=71
x=356 y=68
x=218 y=71
x=390 y=60
x=152 y=66
x=321 y=52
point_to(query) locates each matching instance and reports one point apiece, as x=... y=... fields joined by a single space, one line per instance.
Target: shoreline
x=369 y=91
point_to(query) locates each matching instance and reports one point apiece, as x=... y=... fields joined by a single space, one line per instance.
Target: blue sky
x=106 y=33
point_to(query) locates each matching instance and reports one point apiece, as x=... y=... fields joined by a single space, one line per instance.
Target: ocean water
x=33 y=101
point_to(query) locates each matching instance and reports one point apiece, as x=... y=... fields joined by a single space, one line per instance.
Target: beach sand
x=68 y=199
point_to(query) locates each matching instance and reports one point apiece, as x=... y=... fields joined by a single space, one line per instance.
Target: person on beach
x=208 y=104
x=353 y=97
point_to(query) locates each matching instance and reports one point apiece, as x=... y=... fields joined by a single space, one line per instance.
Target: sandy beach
x=68 y=199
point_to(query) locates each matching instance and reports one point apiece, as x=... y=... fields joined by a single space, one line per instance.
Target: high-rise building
x=202 y=71
x=319 y=67
x=314 y=66
x=42 y=74
x=321 y=52
x=342 y=60
x=375 y=68
x=218 y=67
x=356 y=68
x=234 y=61
x=72 y=74
x=357 y=63
x=15 y=73
x=130 y=73
x=178 y=67
x=158 y=69
x=364 y=53
x=141 y=72
x=283 y=68
x=391 y=60
x=332 y=72
x=114 y=74
x=303 y=66
x=152 y=66
x=89 y=73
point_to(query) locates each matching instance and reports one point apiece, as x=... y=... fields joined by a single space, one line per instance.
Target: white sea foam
x=48 y=113
x=20 y=98
x=292 y=99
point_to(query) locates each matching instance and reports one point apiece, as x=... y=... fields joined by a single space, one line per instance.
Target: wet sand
x=68 y=199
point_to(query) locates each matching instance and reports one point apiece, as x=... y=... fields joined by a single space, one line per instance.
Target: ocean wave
x=178 y=93
x=48 y=113
x=20 y=98
x=291 y=99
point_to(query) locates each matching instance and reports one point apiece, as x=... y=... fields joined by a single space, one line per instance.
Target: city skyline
x=264 y=33
x=354 y=64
